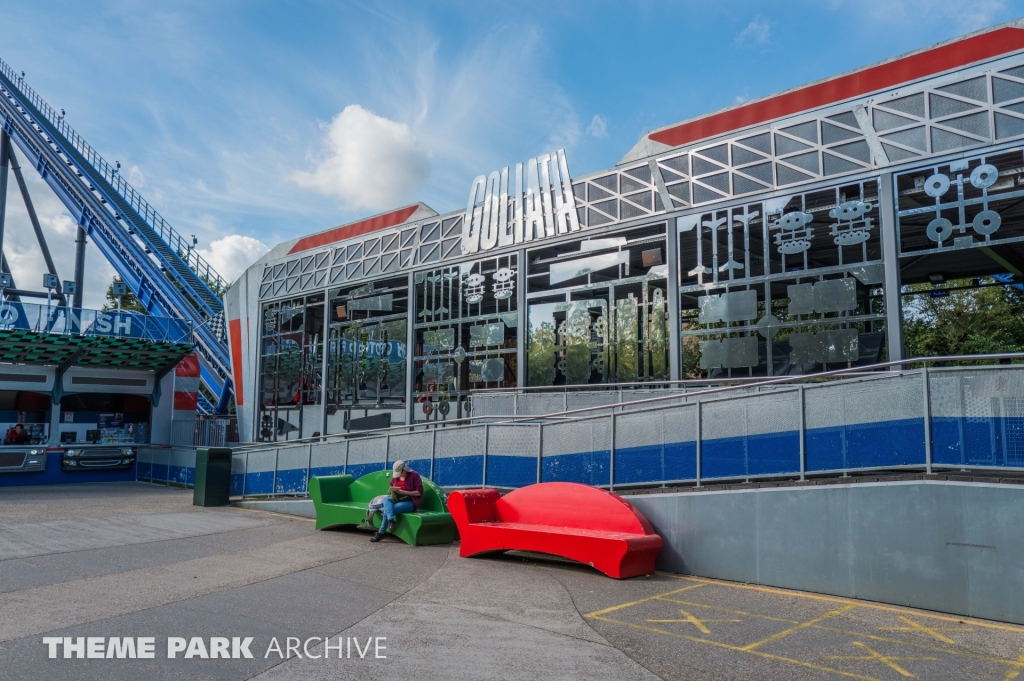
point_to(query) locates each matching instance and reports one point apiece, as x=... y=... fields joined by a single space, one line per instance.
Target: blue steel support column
x=5 y=148
x=890 y=250
x=674 y=313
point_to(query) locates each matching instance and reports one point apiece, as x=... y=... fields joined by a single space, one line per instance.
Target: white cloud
x=22 y=249
x=475 y=107
x=756 y=33
x=368 y=161
x=136 y=177
x=598 y=127
x=231 y=255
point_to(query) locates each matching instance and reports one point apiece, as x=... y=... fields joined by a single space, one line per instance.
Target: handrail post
x=803 y=435
x=487 y=445
x=540 y=449
x=698 y=441
x=433 y=450
x=611 y=454
x=347 y=442
x=277 y=461
x=245 y=474
x=927 y=420
x=309 y=466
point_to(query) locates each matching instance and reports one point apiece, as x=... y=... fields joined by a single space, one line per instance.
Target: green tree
x=971 y=321
x=128 y=301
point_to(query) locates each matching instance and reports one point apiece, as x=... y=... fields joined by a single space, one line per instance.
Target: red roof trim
x=929 y=62
x=355 y=229
x=235 y=338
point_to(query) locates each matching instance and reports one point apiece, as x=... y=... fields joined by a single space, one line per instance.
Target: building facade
x=788 y=235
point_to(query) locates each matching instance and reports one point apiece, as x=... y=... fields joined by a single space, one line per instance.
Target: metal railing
x=184 y=248
x=202 y=432
x=830 y=423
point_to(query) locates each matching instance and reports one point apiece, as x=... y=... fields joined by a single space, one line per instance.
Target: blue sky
x=249 y=123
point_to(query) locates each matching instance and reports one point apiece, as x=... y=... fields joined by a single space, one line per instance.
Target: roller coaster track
x=160 y=267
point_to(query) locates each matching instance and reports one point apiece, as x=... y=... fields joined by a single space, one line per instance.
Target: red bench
x=565 y=519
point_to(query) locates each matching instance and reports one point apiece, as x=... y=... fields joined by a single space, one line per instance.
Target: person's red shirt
x=413 y=483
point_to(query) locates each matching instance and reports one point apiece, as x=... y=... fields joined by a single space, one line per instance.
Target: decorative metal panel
x=968 y=203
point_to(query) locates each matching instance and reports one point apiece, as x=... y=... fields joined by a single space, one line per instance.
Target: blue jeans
x=393 y=508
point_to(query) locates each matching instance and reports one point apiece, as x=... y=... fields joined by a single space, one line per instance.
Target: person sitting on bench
x=406 y=492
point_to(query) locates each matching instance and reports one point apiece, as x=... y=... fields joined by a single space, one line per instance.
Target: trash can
x=213 y=476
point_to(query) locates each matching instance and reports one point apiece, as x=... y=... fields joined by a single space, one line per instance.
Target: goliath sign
x=540 y=208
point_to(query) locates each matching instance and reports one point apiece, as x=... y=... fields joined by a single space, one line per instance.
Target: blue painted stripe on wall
x=654 y=463
x=182 y=475
x=968 y=441
x=866 y=445
x=511 y=471
x=421 y=466
x=259 y=483
x=327 y=470
x=589 y=468
x=358 y=470
x=292 y=481
x=459 y=471
x=236 y=484
x=765 y=454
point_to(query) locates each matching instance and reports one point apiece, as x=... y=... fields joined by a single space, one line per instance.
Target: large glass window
x=791 y=285
x=104 y=418
x=366 y=367
x=466 y=333
x=598 y=310
x=290 y=368
x=25 y=416
x=961 y=246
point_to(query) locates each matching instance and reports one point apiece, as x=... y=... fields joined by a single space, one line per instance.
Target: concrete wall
x=939 y=545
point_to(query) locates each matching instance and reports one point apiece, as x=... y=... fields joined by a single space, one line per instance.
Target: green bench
x=343 y=500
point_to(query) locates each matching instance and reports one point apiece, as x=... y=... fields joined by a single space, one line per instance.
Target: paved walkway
x=128 y=559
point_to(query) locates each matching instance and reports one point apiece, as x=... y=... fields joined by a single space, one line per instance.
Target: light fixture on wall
x=937 y=278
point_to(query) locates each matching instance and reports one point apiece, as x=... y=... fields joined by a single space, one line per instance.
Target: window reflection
x=290 y=368
x=466 y=333
x=366 y=364
x=598 y=310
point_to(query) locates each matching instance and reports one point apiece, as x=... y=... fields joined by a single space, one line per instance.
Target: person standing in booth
x=17 y=435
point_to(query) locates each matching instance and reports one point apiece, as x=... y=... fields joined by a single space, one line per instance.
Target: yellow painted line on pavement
x=690 y=619
x=874 y=656
x=931 y=631
x=738 y=649
x=598 y=613
x=836 y=599
x=803 y=625
x=1019 y=663
x=1017 y=666
x=1012 y=674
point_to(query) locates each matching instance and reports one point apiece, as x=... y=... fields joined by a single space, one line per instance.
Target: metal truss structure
x=161 y=268
x=944 y=115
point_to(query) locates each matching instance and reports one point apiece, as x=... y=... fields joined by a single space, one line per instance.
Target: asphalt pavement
x=130 y=560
